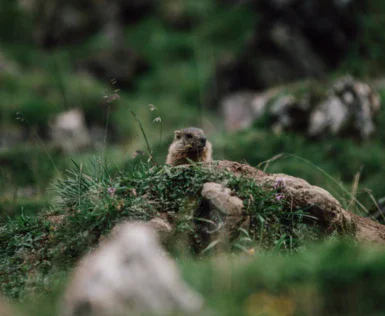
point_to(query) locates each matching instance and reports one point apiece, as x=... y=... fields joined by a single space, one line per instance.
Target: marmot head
x=190 y=139
x=189 y=144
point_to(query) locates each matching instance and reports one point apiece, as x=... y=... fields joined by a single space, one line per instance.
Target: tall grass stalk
x=149 y=150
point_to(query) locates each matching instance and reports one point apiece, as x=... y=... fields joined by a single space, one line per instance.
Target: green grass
x=340 y=159
x=32 y=247
x=287 y=269
x=30 y=165
x=19 y=206
x=338 y=278
x=334 y=279
x=181 y=64
x=365 y=56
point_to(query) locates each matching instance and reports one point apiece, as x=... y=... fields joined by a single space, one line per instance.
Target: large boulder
x=315 y=201
x=226 y=213
x=350 y=108
x=347 y=107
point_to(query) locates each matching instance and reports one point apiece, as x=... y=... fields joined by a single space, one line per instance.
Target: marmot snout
x=189 y=143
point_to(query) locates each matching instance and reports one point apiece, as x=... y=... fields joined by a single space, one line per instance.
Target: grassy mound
x=33 y=249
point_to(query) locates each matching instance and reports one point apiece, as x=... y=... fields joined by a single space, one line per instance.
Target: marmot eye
x=189 y=136
x=177 y=136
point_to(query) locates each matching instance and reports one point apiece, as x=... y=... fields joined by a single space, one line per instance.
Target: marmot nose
x=203 y=141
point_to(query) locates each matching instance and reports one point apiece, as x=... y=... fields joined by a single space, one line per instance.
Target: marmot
x=189 y=143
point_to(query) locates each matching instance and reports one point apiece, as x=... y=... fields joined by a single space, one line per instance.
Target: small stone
x=221 y=198
x=69 y=131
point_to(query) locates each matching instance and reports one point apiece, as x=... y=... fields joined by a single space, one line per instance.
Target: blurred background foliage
x=185 y=57
x=56 y=57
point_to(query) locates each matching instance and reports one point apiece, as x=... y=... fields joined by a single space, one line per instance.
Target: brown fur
x=188 y=144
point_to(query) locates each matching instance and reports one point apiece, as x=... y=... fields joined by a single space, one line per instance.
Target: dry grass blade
x=379 y=211
x=354 y=190
x=267 y=162
x=328 y=176
x=149 y=150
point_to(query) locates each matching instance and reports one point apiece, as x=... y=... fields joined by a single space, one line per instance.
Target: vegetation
x=56 y=207
x=332 y=279
x=92 y=202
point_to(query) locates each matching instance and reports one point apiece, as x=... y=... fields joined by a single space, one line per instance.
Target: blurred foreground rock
x=345 y=108
x=128 y=275
x=69 y=132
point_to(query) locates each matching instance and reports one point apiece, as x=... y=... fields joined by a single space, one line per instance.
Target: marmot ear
x=177 y=134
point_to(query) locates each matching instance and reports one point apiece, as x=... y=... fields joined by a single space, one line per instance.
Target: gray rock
x=346 y=107
x=329 y=115
x=237 y=110
x=224 y=216
x=8 y=66
x=68 y=131
x=129 y=275
x=349 y=109
x=221 y=198
x=242 y=108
